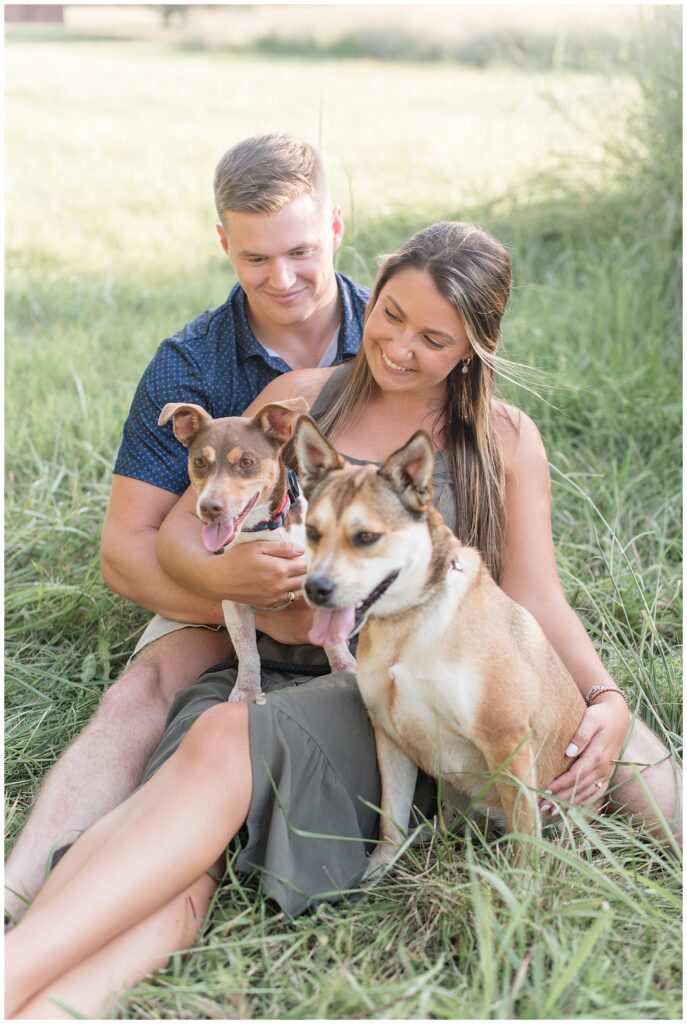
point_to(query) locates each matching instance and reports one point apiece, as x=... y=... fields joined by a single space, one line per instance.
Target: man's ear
x=223 y=240
x=277 y=419
x=409 y=471
x=337 y=226
x=186 y=420
x=316 y=457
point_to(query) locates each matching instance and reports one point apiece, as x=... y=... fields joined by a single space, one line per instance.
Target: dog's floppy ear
x=277 y=419
x=409 y=471
x=315 y=455
x=186 y=420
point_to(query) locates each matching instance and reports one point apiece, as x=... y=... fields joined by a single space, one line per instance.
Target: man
x=289 y=310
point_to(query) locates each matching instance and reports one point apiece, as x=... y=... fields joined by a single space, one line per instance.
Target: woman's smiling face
x=414 y=337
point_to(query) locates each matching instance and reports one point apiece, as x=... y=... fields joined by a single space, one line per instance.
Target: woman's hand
x=595 y=746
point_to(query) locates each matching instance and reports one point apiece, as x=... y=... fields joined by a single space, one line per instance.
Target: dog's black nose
x=319 y=589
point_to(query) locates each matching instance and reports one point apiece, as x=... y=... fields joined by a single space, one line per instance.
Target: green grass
x=110 y=247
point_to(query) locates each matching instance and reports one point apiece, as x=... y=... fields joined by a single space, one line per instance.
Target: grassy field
x=111 y=247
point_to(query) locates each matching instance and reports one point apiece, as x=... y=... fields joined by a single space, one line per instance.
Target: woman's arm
x=530 y=577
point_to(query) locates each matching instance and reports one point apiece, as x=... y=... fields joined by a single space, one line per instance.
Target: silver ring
x=291 y=596
x=599 y=785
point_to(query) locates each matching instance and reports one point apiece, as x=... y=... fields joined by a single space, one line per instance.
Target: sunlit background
x=559 y=128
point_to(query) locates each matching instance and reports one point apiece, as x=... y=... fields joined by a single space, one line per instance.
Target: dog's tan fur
x=457 y=677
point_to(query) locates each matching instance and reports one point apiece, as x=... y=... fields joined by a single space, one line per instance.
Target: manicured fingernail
x=571 y=750
x=548 y=791
x=545 y=807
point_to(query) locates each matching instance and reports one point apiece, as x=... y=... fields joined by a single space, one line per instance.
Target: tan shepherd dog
x=457 y=677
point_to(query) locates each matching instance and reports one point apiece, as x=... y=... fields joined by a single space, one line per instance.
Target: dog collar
x=275 y=520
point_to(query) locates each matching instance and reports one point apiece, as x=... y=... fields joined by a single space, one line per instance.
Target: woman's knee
x=218 y=738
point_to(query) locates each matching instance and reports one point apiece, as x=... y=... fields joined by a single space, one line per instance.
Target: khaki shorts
x=159 y=626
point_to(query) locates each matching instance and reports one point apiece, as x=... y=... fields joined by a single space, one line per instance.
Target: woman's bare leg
x=91 y=987
x=660 y=787
x=139 y=857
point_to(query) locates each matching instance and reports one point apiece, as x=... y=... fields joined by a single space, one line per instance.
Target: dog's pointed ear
x=409 y=471
x=278 y=418
x=186 y=420
x=316 y=457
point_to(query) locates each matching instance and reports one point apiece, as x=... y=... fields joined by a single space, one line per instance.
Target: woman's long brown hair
x=472 y=270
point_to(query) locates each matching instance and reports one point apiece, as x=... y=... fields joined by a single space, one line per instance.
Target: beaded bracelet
x=600 y=688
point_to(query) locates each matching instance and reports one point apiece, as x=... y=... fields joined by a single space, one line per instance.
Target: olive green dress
x=312 y=817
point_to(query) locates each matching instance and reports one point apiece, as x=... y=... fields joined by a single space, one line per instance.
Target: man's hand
x=289 y=626
x=260 y=573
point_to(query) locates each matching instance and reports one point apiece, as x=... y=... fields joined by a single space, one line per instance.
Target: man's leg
x=105 y=762
x=660 y=788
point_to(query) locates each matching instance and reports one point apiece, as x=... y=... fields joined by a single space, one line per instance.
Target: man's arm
x=255 y=573
x=128 y=558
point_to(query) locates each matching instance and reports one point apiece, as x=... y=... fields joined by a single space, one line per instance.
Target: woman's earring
x=466 y=364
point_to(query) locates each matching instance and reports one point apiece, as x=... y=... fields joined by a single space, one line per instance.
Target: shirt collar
x=247 y=345
x=350 y=333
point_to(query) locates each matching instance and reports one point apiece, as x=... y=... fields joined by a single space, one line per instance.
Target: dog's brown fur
x=457 y=677
x=236 y=467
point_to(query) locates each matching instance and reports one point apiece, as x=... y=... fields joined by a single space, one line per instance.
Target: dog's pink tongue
x=330 y=627
x=218 y=535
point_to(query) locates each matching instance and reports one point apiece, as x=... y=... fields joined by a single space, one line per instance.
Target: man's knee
x=643 y=752
x=648 y=777
x=138 y=691
x=180 y=657
x=166 y=666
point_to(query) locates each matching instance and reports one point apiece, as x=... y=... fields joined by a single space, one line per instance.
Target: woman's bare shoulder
x=518 y=433
x=305 y=384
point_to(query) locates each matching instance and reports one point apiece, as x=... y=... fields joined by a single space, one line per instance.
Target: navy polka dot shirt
x=215 y=362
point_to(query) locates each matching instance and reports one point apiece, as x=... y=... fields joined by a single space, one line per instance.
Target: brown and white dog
x=457 y=677
x=236 y=468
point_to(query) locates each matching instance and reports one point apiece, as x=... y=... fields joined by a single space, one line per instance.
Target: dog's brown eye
x=246 y=462
x=199 y=462
x=312 y=534
x=365 y=537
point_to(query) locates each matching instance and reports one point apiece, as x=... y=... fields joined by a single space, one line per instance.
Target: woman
x=136 y=885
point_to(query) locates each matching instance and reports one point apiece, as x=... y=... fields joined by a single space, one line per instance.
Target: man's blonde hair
x=264 y=173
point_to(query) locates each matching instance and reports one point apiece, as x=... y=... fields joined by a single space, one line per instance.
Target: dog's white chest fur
x=423 y=692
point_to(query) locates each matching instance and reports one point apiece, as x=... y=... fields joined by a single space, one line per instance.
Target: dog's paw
x=244 y=694
x=247 y=687
x=378 y=863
